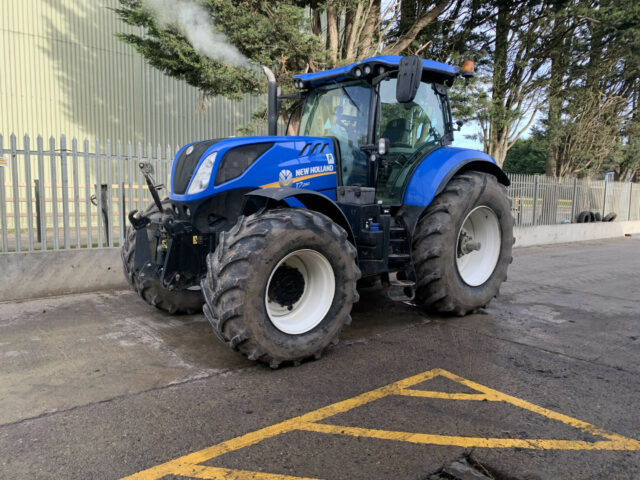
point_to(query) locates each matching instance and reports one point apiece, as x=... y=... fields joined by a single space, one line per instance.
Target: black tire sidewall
x=277 y=245
x=447 y=292
x=151 y=289
x=492 y=197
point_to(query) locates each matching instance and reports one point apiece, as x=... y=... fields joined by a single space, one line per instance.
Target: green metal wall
x=62 y=71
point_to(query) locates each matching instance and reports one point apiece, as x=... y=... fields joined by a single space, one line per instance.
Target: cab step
x=400 y=290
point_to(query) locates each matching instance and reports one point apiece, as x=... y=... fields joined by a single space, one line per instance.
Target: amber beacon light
x=468 y=69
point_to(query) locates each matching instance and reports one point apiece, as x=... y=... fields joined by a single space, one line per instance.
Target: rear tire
x=462 y=245
x=151 y=289
x=280 y=285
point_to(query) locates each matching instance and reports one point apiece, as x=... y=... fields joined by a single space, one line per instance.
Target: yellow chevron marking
x=189 y=465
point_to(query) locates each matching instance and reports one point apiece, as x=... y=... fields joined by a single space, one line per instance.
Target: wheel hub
x=300 y=291
x=466 y=244
x=478 y=246
x=287 y=286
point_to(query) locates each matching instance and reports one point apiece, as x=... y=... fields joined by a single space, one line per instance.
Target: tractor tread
x=232 y=286
x=150 y=289
x=439 y=287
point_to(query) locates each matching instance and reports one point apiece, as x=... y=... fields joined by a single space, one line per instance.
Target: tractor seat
x=396 y=131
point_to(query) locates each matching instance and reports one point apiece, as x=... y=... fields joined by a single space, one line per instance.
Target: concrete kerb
x=573 y=232
x=41 y=274
x=28 y=275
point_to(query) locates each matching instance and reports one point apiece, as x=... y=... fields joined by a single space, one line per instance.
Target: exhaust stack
x=272 y=101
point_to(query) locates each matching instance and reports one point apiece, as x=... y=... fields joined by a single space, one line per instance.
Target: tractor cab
x=386 y=114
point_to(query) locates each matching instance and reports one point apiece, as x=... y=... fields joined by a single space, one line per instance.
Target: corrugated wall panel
x=64 y=72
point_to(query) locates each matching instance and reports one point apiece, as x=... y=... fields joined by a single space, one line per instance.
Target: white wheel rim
x=477 y=261
x=316 y=298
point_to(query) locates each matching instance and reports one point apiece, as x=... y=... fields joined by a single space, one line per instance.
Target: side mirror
x=409 y=77
x=459 y=123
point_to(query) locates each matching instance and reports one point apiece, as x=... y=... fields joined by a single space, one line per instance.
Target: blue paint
x=284 y=155
x=428 y=176
x=391 y=61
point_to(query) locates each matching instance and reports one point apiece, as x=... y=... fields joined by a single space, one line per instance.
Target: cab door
x=413 y=129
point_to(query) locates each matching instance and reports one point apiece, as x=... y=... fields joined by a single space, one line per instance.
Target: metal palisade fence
x=61 y=195
x=541 y=200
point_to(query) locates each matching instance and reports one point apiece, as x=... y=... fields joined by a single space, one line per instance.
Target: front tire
x=462 y=245
x=150 y=288
x=280 y=285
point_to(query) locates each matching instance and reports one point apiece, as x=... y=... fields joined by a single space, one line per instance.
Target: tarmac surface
x=544 y=384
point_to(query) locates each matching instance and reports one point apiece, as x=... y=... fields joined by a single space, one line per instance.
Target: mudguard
x=435 y=171
x=309 y=199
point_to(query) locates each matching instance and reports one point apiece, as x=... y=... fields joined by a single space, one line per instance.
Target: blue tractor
x=271 y=235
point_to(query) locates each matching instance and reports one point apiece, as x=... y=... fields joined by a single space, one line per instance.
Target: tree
x=262 y=33
x=593 y=77
x=527 y=155
x=277 y=34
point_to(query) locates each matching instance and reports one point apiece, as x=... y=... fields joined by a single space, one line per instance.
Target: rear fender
x=435 y=171
x=262 y=198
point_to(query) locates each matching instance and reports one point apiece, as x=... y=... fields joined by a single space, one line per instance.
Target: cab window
x=341 y=111
x=413 y=130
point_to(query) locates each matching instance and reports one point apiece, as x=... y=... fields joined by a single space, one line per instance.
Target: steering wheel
x=397 y=162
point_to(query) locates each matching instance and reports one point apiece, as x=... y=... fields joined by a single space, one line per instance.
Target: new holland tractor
x=270 y=235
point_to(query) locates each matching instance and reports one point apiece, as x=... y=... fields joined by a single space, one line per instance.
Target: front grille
x=186 y=165
x=236 y=161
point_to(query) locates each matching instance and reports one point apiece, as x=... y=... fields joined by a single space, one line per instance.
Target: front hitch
x=147 y=171
x=138 y=221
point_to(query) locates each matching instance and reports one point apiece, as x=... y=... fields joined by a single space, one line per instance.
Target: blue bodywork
x=390 y=61
x=319 y=172
x=438 y=167
x=313 y=171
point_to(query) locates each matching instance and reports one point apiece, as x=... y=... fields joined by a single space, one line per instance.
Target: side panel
x=298 y=162
x=439 y=166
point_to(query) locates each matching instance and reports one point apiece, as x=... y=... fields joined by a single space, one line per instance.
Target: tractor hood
x=203 y=169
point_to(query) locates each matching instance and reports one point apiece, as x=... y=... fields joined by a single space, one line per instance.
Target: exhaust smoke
x=195 y=23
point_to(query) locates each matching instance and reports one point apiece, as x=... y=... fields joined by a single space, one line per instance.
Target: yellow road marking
x=201 y=471
x=459 y=441
x=298 y=179
x=189 y=465
x=446 y=396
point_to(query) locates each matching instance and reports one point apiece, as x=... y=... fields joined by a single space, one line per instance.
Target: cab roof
x=440 y=71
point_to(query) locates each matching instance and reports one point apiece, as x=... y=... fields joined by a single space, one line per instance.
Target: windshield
x=341 y=111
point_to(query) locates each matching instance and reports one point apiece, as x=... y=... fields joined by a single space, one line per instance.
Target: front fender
x=309 y=199
x=435 y=171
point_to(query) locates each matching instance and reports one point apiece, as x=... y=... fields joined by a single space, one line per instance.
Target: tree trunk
x=414 y=30
x=367 y=38
x=408 y=14
x=498 y=128
x=332 y=32
x=558 y=56
x=351 y=28
x=316 y=23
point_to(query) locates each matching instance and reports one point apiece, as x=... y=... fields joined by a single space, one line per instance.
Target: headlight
x=203 y=175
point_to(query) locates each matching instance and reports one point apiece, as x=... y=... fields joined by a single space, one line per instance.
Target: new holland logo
x=285 y=178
